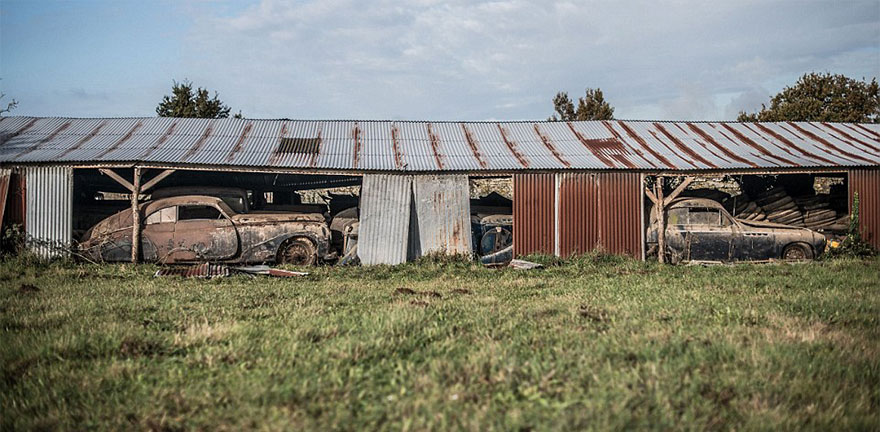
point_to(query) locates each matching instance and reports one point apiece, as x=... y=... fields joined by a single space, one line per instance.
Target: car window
x=167 y=214
x=191 y=212
x=677 y=216
x=704 y=216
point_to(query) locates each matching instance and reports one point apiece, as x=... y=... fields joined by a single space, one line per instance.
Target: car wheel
x=797 y=252
x=297 y=251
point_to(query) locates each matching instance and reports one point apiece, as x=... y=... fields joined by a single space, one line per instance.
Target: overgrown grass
x=596 y=342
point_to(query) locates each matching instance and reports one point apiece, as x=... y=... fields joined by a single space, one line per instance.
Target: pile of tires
x=780 y=207
x=743 y=207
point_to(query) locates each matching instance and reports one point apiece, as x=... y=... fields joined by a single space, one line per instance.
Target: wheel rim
x=795 y=253
x=298 y=252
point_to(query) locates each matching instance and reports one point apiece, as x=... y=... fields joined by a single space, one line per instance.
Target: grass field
x=596 y=342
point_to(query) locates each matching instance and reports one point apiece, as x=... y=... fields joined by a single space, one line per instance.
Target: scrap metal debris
x=210 y=271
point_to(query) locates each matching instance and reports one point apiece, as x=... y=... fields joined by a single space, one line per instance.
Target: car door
x=203 y=233
x=158 y=234
x=709 y=236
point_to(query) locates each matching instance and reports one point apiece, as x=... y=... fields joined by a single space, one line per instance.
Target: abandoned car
x=204 y=228
x=702 y=230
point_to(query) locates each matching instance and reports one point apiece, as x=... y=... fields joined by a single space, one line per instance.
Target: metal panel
x=49 y=210
x=412 y=146
x=533 y=214
x=384 y=219
x=578 y=213
x=442 y=215
x=867 y=184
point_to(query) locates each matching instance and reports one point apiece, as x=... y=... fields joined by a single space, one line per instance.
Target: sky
x=427 y=59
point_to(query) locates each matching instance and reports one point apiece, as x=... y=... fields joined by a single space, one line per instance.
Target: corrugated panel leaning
x=384 y=219
x=49 y=210
x=442 y=215
x=867 y=184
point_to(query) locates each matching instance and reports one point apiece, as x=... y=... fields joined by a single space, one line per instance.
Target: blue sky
x=427 y=59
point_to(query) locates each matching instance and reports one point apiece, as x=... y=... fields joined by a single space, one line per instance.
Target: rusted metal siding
x=419 y=146
x=533 y=214
x=442 y=215
x=386 y=200
x=619 y=213
x=867 y=184
x=49 y=209
x=599 y=210
x=578 y=214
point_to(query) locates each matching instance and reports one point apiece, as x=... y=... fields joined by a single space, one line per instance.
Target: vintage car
x=196 y=228
x=700 y=229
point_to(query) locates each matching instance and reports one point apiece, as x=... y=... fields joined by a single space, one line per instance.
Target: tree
x=590 y=107
x=184 y=103
x=823 y=97
x=9 y=106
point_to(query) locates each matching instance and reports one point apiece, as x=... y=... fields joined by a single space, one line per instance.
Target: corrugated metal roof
x=440 y=146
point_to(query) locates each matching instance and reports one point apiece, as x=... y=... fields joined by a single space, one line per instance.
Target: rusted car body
x=203 y=228
x=702 y=230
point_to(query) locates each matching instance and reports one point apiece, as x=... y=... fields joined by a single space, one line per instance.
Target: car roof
x=185 y=200
x=694 y=202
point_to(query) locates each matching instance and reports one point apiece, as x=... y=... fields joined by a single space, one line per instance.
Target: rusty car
x=699 y=229
x=196 y=228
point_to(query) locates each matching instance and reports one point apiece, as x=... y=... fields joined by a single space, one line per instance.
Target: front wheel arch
x=297 y=250
x=798 y=251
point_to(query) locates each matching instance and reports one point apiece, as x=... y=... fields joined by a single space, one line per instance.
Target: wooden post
x=136 y=217
x=661 y=220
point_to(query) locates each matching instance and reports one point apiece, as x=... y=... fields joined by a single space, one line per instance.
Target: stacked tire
x=780 y=207
x=742 y=207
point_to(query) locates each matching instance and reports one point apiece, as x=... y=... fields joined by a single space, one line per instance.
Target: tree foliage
x=823 y=97
x=590 y=107
x=183 y=102
x=9 y=105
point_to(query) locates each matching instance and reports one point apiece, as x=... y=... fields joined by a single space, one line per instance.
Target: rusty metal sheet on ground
x=442 y=215
x=384 y=219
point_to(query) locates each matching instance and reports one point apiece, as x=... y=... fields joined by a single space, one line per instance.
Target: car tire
x=298 y=251
x=797 y=252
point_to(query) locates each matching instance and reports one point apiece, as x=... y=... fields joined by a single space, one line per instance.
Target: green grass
x=597 y=342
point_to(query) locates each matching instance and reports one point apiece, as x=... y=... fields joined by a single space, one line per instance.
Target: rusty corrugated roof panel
x=410 y=146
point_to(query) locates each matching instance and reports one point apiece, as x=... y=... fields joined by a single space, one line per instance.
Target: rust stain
x=681 y=146
x=395 y=146
x=756 y=156
x=791 y=144
x=512 y=147
x=701 y=142
x=868 y=131
x=632 y=134
x=356 y=134
x=829 y=145
x=20 y=131
x=755 y=145
x=717 y=145
x=44 y=140
x=435 y=147
x=239 y=142
x=124 y=138
x=472 y=143
x=276 y=154
x=619 y=137
x=592 y=146
x=160 y=141
x=551 y=147
x=850 y=137
x=83 y=140
x=657 y=137
x=199 y=143
x=314 y=161
x=783 y=148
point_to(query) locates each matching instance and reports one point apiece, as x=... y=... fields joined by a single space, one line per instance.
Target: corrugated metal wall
x=533 y=213
x=867 y=183
x=384 y=219
x=578 y=215
x=574 y=213
x=49 y=209
x=441 y=205
x=620 y=224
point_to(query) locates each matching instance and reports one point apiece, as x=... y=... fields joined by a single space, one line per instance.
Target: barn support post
x=136 y=216
x=661 y=220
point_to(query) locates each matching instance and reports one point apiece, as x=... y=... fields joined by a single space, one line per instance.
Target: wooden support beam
x=661 y=221
x=681 y=187
x=162 y=175
x=136 y=217
x=110 y=173
x=651 y=196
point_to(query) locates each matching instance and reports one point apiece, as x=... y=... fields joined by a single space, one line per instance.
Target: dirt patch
x=420 y=303
x=594 y=314
x=28 y=288
x=132 y=347
x=409 y=291
x=462 y=291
